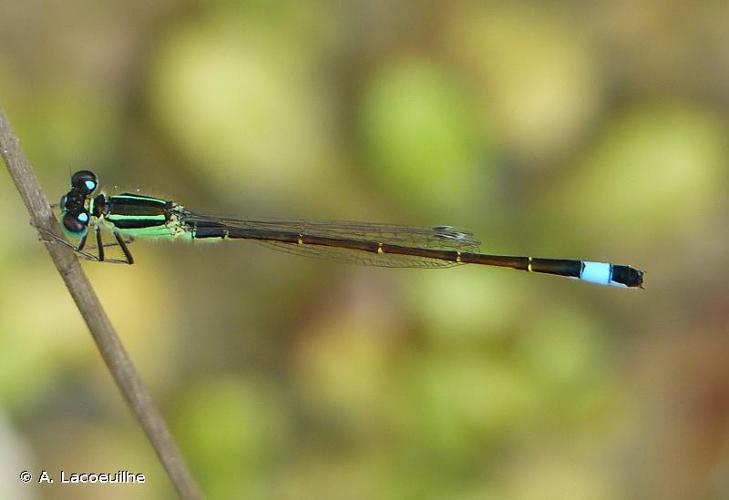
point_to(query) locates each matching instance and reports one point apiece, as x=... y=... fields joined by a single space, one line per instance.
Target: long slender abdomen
x=593 y=272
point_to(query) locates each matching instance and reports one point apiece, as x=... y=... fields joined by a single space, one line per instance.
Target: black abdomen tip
x=628 y=276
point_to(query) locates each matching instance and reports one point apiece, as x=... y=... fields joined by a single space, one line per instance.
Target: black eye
x=85 y=181
x=76 y=223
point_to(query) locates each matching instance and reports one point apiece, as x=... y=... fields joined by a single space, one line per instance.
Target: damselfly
x=131 y=215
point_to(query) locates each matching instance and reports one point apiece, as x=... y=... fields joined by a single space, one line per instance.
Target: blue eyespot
x=75 y=223
x=85 y=181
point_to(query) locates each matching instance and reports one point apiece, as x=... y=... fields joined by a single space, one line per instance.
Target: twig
x=113 y=352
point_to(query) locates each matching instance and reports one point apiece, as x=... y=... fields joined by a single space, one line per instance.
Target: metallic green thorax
x=140 y=216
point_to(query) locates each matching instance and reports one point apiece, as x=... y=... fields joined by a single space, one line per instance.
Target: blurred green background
x=594 y=130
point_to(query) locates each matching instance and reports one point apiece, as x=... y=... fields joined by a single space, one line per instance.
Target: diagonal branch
x=122 y=370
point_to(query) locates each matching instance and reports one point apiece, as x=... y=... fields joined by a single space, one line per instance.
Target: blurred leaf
x=565 y=351
x=539 y=80
x=656 y=170
x=232 y=430
x=466 y=304
x=239 y=99
x=420 y=134
x=460 y=402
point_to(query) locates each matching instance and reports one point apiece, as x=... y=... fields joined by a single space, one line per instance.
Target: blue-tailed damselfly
x=131 y=215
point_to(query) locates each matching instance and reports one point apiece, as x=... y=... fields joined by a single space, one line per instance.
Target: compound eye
x=84 y=180
x=76 y=223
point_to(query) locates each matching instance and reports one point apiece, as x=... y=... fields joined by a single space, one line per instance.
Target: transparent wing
x=359 y=257
x=434 y=238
